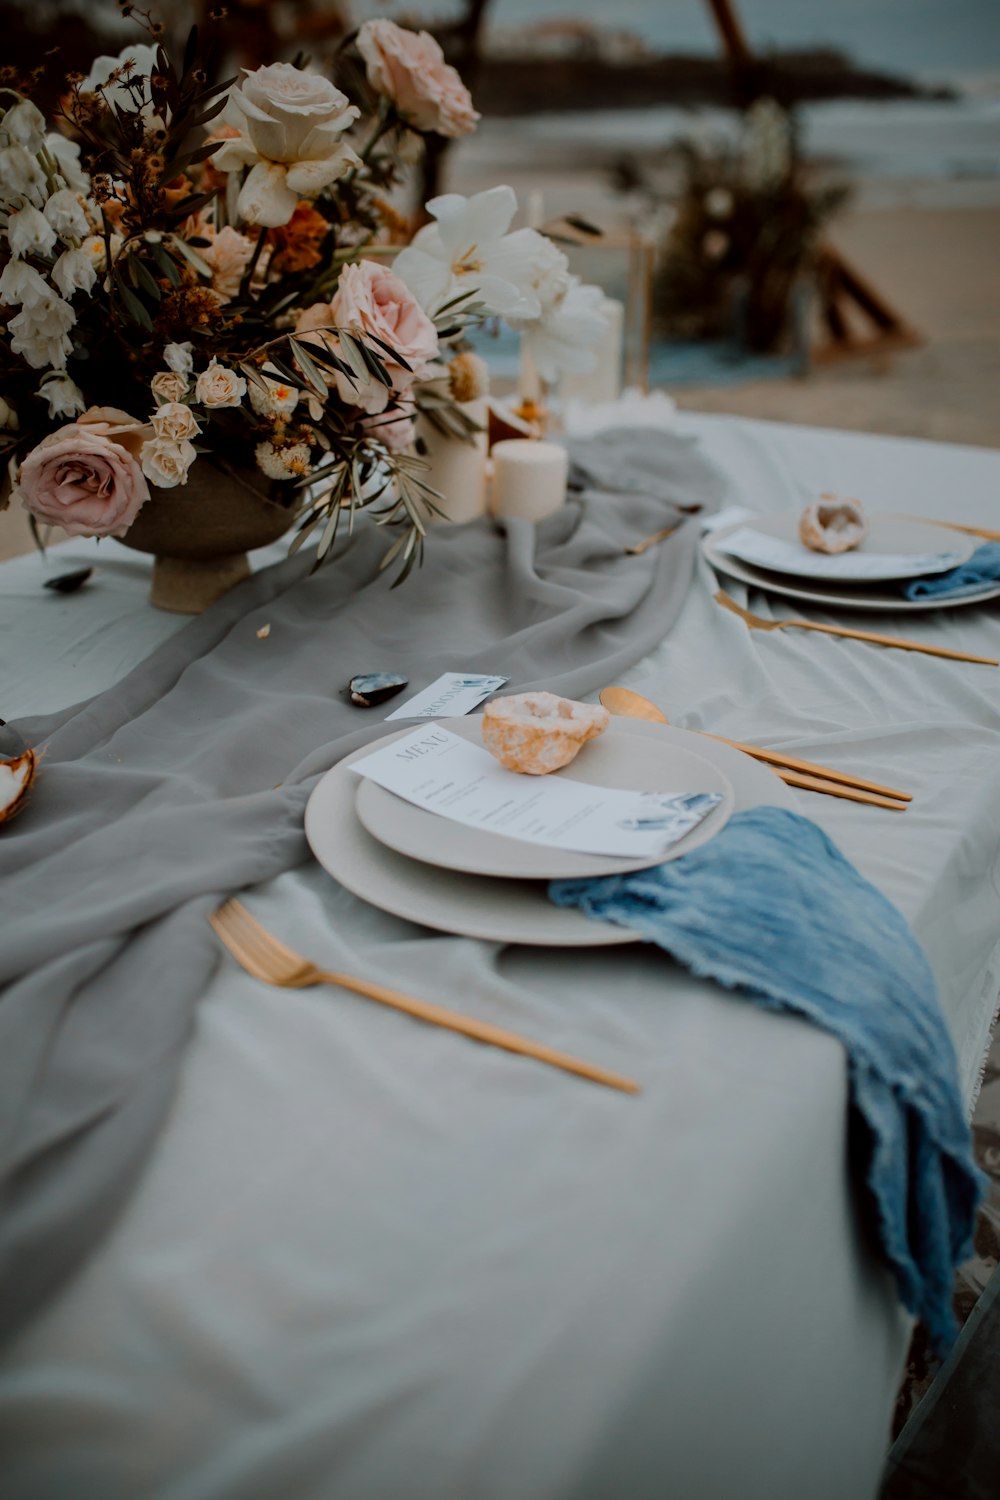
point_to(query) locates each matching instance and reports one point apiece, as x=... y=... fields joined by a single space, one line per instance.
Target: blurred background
x=800 y=203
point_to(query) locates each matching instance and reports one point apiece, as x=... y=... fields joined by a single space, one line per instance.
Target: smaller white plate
x=614 y=759
x=895 y=548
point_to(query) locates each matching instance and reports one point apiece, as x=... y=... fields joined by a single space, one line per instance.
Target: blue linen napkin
x=981 y=572
x=770 y=907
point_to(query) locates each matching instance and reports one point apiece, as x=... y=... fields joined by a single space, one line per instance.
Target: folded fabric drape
x=772 y=909
x=187 y=781
x=981 y=572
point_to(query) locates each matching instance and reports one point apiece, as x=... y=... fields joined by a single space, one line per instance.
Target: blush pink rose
x=81 y=479
x=371 y=300
x=409 y=68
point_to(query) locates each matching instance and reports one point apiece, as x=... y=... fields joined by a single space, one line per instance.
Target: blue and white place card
x=449 y=696
x=444 y=774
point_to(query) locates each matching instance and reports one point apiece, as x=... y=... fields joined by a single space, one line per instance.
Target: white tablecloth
x=507 y=1287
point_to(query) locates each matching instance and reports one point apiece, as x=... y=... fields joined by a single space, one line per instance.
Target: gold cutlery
x=980 y=531
x=805 y=774
x=263 y=956
x=757 y=622
x=638 y=548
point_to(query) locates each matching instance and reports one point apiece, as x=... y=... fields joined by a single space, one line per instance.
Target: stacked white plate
x=441 y=874
x=895 y=551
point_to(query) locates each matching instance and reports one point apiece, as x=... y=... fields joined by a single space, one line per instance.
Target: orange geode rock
x=539 y=732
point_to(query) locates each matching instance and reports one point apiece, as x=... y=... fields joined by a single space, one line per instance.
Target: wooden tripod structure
x=843 y=291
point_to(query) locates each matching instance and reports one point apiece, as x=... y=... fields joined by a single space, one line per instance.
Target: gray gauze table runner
x=188 y=781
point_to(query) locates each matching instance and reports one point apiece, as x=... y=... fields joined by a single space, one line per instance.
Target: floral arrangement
x=197 y=273
x=743 y=235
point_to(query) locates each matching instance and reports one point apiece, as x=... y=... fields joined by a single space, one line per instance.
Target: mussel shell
x=371 y=688
x=68 y=583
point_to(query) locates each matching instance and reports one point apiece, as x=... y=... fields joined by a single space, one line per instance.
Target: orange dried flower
x=297 y=243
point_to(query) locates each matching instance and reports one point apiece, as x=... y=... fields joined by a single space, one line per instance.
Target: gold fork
x=267 y=959
x=757 y=622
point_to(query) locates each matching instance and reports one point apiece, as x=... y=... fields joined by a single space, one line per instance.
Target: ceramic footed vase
x=199 y=533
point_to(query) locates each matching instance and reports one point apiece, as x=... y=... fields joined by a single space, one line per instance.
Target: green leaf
x=191 y=256
x=145 y=279
x=575 y=221
x=134 y=306
x=309 y=369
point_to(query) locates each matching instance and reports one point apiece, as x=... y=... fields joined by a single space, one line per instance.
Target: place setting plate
x=818 y=581
x=510 y=906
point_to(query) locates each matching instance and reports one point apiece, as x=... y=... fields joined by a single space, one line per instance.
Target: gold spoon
x=801 y=773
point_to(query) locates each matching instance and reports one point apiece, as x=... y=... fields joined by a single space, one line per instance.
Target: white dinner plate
x=505 y=911
x=614 y=759
x=882 y=598
x=896 y=548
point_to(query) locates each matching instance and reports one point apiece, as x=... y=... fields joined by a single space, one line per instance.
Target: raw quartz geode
x=833 y=525
x=539 y=732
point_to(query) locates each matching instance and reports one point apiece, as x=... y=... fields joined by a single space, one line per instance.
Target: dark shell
x=370 y=688
x=68 y=583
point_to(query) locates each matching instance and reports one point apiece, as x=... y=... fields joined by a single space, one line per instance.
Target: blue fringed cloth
x=977 y=576
x=770 y=907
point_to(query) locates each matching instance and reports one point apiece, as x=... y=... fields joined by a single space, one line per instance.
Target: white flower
x=22 y=286
x=291 y=462
x=143 y=59
x=166 y=463
x=169 y=385
x=25 y=124
x=64 y=212
x=64 y=396
x=468 y=249
x=178 y=357
x=67 y=159
x=218 y=386
x=290 y=124
x=8 y=417
x=279 y=400
x=41 y=333
x=21 y=176
x=175 y=422
x=30 y=232
x=76 y=270
x=568 y=331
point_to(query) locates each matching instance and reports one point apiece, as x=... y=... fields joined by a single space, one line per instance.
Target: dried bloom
x=468 y=377
x=298 y=244
x=289 y=461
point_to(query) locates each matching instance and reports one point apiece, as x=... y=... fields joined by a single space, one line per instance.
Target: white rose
x=290 y=125
x=218 y=386
x=175 y=422
x=179 y=357
x=166 y=464
x=169 y=385
x=64 y=396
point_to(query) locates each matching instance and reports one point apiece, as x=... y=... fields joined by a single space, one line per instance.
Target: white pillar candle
x=529 y=478
x=604 y=381
x=457 y=469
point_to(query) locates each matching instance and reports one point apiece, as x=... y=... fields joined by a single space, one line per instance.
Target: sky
x=931 y=37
